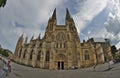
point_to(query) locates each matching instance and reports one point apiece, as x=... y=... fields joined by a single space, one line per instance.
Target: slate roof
x=99 y=40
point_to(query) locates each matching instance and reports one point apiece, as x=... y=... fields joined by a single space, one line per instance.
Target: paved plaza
x=20 y=71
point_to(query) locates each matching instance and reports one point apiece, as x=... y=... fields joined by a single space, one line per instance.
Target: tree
x=2 y=3
x=3 y=52
x=113 y=50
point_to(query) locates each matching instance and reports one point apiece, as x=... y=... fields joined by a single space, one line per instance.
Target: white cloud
x=113 y=22
x=89 y=10
x=118 y=45
x=30 y=15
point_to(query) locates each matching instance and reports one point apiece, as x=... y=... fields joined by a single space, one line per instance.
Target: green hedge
x=4 y=53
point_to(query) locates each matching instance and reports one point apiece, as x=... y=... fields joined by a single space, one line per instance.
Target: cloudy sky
x=93 y=18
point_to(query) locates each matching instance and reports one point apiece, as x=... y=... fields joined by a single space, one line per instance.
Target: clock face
x=60 y=36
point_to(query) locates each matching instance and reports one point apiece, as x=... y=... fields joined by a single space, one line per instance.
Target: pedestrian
x=94 y=67
x=5 y=68
x=9 y=66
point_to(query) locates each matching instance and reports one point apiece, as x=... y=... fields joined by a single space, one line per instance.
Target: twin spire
x=67 y=14
x=26 y=39
x=37 y=38
x=54 y=14
x=53 y=17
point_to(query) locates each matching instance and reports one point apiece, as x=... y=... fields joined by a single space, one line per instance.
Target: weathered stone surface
x=60 y=48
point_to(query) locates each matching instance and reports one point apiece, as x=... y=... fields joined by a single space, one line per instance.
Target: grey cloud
x=23 y=16
x=88 y=11
x=113 y=25
x=31 y=17
x=19 y=25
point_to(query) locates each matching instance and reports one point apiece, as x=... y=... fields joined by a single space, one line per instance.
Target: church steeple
x=69 y=22
x=32 y=38
x=39 y=37
x=54 y=14
x=19 y=44
x=67 y=14
x=26 y=40
x=52 y=22
x=21 y=38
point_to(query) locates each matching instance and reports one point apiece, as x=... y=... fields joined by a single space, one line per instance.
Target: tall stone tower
x=62 y=42
x=60 y=48
x=19 y=45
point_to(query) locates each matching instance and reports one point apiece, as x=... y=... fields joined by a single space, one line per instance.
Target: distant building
x=60 y=48
x=105 y=44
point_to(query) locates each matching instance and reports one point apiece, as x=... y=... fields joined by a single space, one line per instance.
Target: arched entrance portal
x=61 y=59
x=60 y=65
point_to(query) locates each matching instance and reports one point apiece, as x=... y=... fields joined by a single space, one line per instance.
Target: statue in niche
x=60 y=36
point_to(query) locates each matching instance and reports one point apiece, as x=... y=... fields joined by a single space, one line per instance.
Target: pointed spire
x=22 y=35
x=32 y=38
x=39 y=36
x=26 y=40
x=54 y=14
x=19 y=43
x=20 y=38
x=67 y=14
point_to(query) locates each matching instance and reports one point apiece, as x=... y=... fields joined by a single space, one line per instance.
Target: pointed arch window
x=39 y=55
x=40 y=45
x=50 y=26
x=64 y=45
x=87 y=57
x=60 y=45
x=31 y=54
x=47 y=58
x=20 y=52
x=33 y=45
x=56 y=45
x=70 y=26
x=24 y=53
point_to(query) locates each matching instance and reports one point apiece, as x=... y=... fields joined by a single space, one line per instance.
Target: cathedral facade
x=60 y=48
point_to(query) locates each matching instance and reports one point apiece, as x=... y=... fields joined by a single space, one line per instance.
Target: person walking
x=9 y=66
x=5 y=67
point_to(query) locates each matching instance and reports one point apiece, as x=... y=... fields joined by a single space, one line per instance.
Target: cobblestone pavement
x=19 y=71
x=2 y=73
x=1 y=66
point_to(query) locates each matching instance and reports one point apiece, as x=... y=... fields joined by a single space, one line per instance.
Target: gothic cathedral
x=60 y=48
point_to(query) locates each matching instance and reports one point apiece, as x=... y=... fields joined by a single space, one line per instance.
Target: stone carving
x=61 y=36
